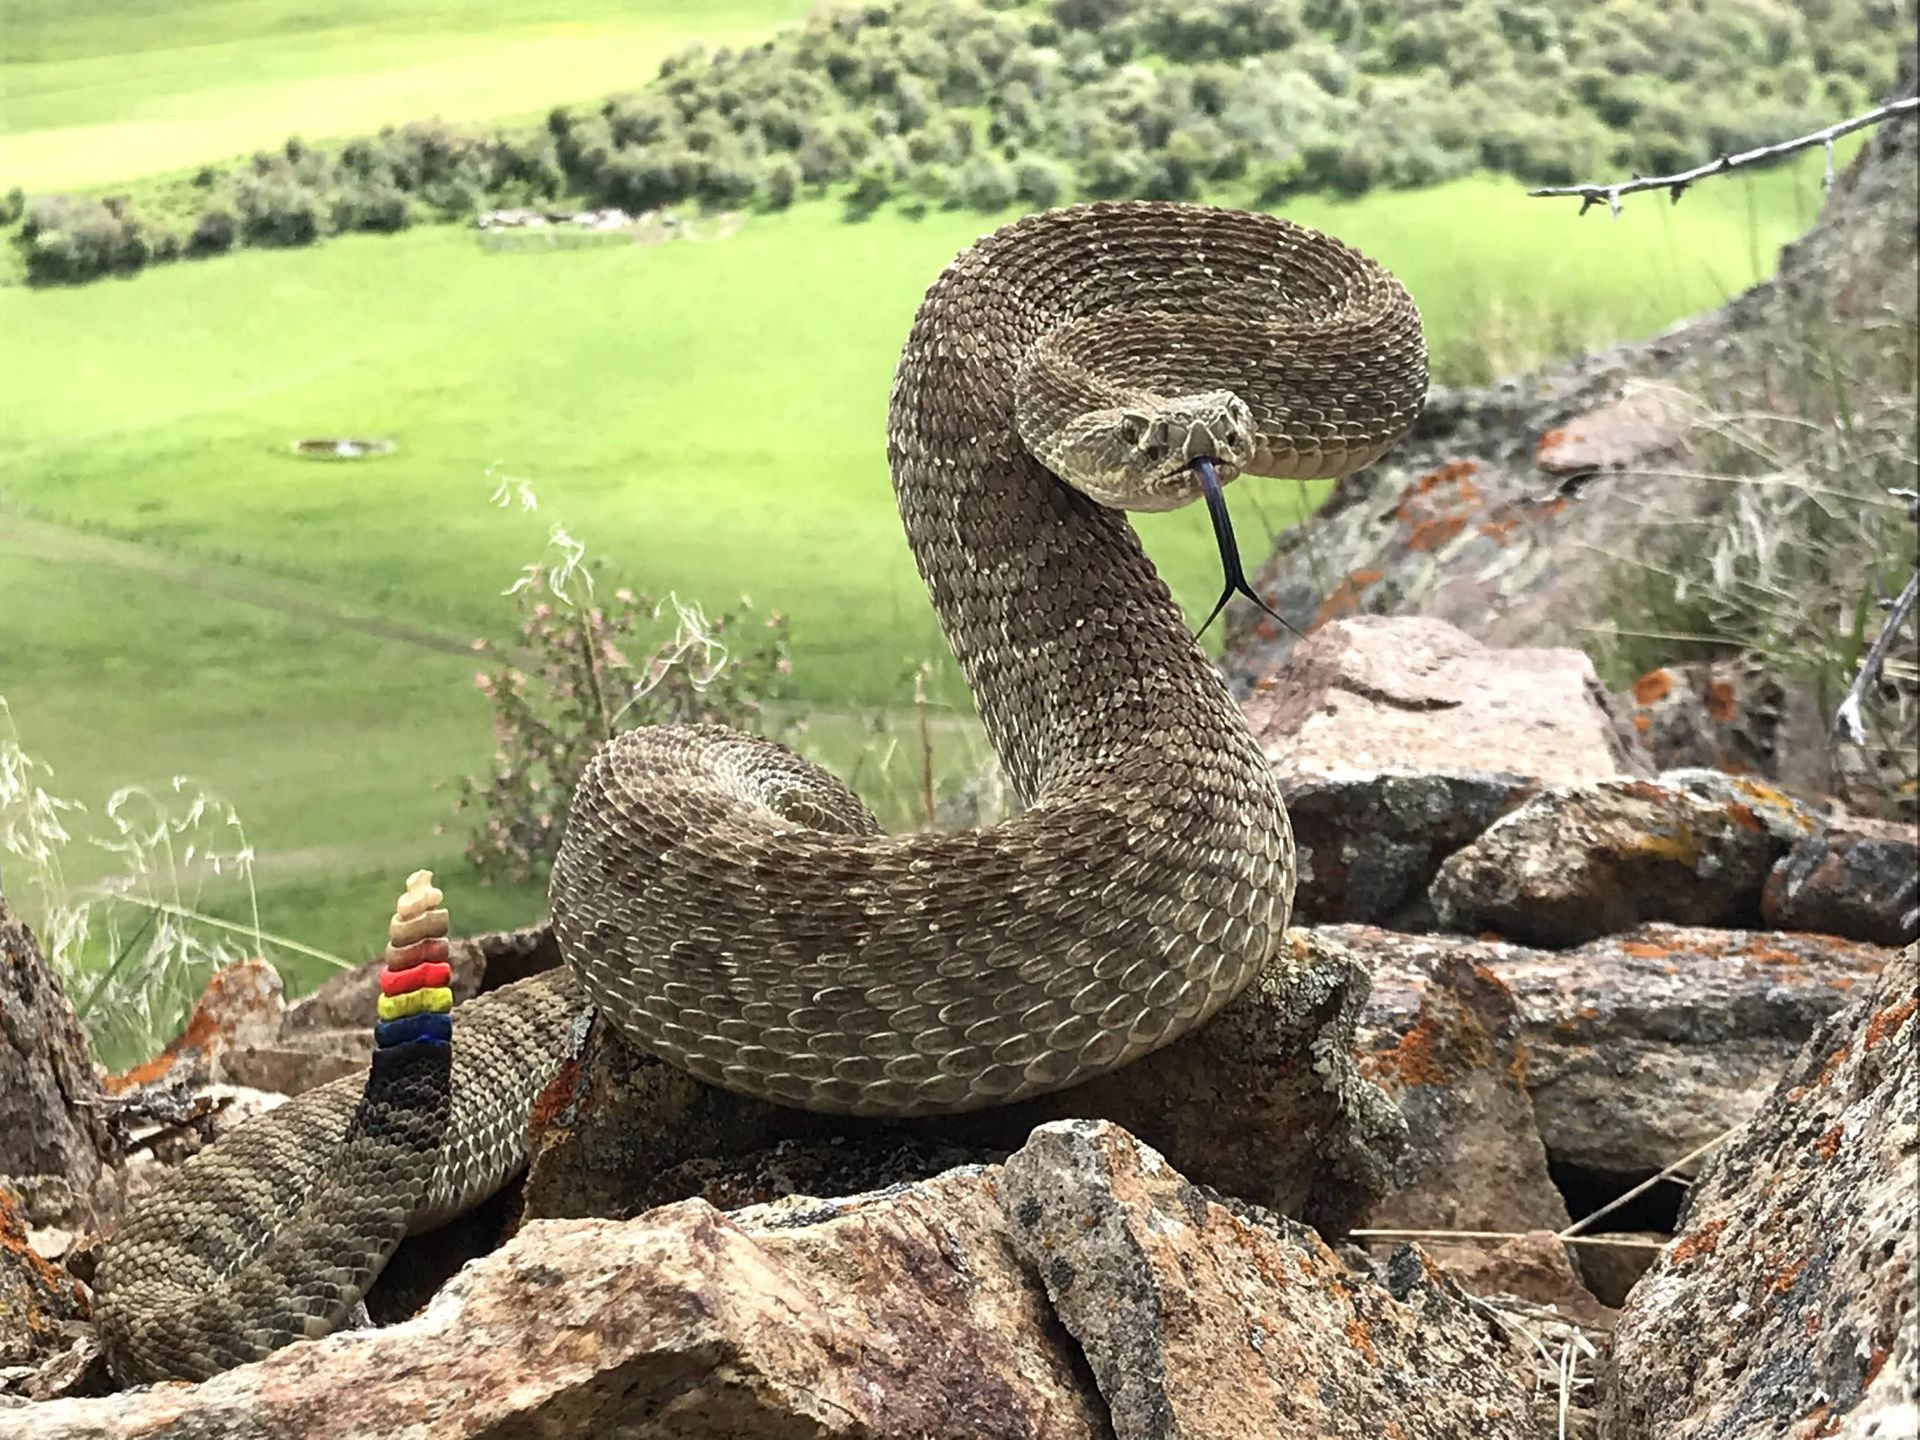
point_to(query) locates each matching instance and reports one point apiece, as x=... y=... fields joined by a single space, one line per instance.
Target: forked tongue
x=1236 y=579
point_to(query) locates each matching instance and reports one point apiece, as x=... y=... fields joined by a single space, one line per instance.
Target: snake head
x=1139 y=456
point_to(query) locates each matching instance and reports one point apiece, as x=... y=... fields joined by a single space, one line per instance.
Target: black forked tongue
x=1236 y=578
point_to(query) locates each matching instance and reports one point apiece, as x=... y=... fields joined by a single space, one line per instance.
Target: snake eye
x=1133 y=429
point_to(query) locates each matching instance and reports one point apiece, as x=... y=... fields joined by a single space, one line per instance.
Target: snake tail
x=294 y=1231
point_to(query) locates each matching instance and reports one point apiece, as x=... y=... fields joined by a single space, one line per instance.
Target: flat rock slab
x=1644 y=1046
x=1378 y=692
x=1204 y=1319
x=1790 y=1303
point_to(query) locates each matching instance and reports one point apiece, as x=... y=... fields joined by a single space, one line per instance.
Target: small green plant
x=587 y=663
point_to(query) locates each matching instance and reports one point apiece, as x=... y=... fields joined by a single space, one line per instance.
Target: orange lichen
x=1552 y=440
x=1498 y=531
x=1828 y=1145
x=1358 y=1338
x=1834 y=1062
x=1701 y=1242
x=1720 y=700
x=1885 y=1022
x=1743 y=817
x=1874 y=1361
x=1344 y=598
x=1643 y=723
x=1432 y=534
x=1652 y=687
x=555 y=1098
x=1787 y=1278
x=1644 y=950
x=1412 y=1061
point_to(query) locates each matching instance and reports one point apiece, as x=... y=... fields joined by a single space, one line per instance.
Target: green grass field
x=97 y=92
x=181 y=595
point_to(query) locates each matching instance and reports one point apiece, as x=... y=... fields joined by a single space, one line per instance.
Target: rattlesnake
x=737 y=912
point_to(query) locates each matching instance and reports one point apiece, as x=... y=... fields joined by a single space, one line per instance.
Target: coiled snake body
x=737 y=912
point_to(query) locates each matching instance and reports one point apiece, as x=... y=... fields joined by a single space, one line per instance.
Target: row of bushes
x=932 y=102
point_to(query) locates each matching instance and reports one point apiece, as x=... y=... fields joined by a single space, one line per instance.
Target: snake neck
x=1079 y=659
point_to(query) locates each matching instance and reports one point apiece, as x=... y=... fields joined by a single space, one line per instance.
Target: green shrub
x=13 y=205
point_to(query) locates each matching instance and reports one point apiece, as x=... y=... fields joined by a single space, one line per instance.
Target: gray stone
x=1790 y=1304
x=1200 y=1317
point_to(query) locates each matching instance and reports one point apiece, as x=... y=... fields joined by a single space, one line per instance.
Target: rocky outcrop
x=1517 y=511
x=1200 y=1317
x=1790 y=1303
x=972 y=1305
x=39 y=1302
x=1397 y=741
x=51 y=1121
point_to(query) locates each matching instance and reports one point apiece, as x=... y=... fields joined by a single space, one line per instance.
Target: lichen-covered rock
x=241 y=1004
x=1577 y=863
x=1396 y=741
x=1790 y=1304
x=1858 y=878
x=1264 y=1101
x=1722 y=715
x=1644 y=1046
x=38 y=1300
x=50 y=1120
x=1203 y=1318
x=902 y=1315
x=1441 y=1034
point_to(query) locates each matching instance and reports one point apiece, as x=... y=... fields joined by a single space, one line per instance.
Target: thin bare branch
x=1502 y=1236
x=1676 y=185
x=1572 y=1231
x=1847 y=720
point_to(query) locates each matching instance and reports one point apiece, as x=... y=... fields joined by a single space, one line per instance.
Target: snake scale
x=738 y=912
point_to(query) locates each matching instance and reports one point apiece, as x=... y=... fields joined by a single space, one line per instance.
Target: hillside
x=950 y=104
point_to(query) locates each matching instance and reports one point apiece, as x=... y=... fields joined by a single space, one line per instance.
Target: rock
x=39 y=1302
x=1442 y=1035
x=1522 y=511
x=898 y=1315
x=1611 y=1271
x=1533 y=1266
x=50 y=1120
x=1858 y=878
x=1790 y=1304
x=1647 y=422
x=1346 y=716
x=1202 y=1318
x=1642 y=1047
x=1578 y=863
x=1370 y=842
x=241 y=1005
x=1369 y=693
x=1709 y=714
x=1264 y=1101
